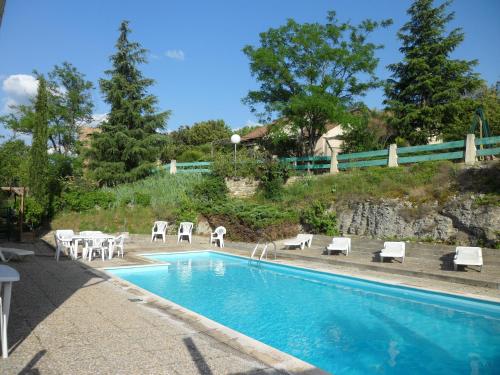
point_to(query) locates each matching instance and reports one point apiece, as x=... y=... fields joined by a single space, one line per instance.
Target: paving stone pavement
x=66 y=320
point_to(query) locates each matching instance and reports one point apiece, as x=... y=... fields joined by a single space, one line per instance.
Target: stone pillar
x=334 y=164
x=173 y=167
x=470 y=149
x=393 y=156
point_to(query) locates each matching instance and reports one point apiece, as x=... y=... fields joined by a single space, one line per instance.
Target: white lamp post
x=235 y=139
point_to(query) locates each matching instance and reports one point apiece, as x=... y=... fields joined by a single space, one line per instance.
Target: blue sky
x=195 y=46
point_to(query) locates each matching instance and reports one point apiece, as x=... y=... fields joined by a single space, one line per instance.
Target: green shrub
x=253 y=215
x=319 y=220
x=191 y=155
x=210 y=190
x=81 y=200
x=142 y=199
x=247 y=164
x=33 y=212
x=186 y=210
x=272 y=175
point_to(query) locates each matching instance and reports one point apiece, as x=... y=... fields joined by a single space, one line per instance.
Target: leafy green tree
x=426 y=91
x=365 y=130
x=128 y=144
x=208 y=131
x=14 y=155
x=39 y=161
x=69 y=103
x=193 y=143
x=71 y=106
x=310 y=73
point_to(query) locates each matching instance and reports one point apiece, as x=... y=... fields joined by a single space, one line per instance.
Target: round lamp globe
x=235 y=138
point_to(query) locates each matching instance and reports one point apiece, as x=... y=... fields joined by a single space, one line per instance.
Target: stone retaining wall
x=242 y=187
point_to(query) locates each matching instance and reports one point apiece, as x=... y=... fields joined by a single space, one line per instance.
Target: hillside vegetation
x=307 y=201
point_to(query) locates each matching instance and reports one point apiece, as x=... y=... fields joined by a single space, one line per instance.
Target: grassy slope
x=434 y=181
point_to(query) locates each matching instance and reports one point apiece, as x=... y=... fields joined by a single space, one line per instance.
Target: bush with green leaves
x=272 y=175
x=211 y=189
x=319 y=220
x=33 y=212
x=247 y=164
x=83 y=200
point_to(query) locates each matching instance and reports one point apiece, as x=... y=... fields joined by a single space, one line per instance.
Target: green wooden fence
x=454 y=150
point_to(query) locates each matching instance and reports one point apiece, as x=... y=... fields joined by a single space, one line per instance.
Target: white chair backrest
x=303 y=236
x=340 y=241
x=471 y=251
x=160 y=226
x=64 y=233
x=394 y=245
x=185 y=227
x=220 y=231
x=119 y=240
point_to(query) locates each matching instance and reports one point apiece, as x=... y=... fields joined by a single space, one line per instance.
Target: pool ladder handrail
x=264 y=250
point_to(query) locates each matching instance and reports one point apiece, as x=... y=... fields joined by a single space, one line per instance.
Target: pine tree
x=39 y=161
x=128 y=144
x=426 y=92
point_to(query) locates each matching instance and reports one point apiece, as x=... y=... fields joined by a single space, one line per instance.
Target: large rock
x=459 y=221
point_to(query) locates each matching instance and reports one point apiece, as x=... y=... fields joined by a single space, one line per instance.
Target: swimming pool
x=341 y=324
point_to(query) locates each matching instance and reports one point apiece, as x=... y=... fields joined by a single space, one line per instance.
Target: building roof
x=257 y=133
x=262 y=131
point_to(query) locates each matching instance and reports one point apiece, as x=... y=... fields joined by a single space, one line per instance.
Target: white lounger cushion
x=13 y=252
x=393 y=250
x=301 y=240
x=340 y=244
x=468 y=256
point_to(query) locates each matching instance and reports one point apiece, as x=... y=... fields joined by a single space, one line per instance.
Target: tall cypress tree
x=39 y=161
x=128 y=144
x=427 y=88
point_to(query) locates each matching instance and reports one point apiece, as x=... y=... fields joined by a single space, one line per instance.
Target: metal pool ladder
x=264 y=250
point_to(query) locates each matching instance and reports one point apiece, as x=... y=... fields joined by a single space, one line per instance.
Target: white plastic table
x=7 y=276
x=77 y=238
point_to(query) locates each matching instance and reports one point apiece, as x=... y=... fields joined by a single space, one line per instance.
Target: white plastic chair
x=342 y=244
x=64 y=243
x=117 y=244
x=185 y=230
x=159 y=229
x=393 y=250
x=300 y=241
x=97 y=245
x=218 y=235
x=468 y=256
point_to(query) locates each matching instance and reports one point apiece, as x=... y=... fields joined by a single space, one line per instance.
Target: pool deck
x=69 y=317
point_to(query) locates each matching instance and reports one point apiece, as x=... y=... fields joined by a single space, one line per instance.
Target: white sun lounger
x=300 y=241
x=7 y=253
x=468 y=256
x=393 y=250
x=342 y=244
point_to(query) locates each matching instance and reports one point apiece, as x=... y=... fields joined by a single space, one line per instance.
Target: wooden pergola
x=20 y=192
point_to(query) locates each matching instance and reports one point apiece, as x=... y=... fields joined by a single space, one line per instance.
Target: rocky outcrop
x=460 y=220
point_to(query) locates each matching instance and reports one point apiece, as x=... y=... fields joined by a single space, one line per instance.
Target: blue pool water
x=340 y=324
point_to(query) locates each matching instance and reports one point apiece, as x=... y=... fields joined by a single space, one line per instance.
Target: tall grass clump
x=163 y=190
